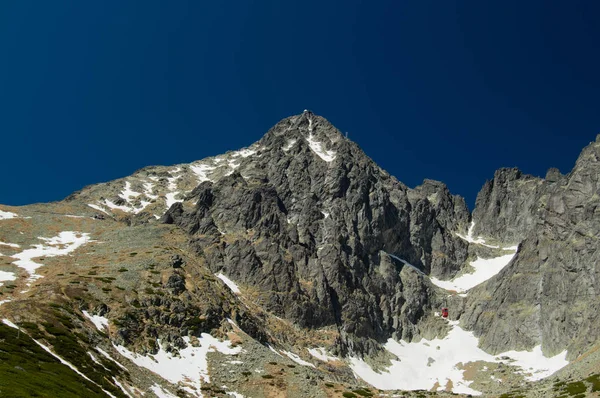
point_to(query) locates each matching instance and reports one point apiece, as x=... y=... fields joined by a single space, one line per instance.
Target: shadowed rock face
x=307 y=221
x=549 y=294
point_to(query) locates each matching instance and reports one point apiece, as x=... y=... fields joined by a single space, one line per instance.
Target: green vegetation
x=595 y=381
x=578 y=389
x=363 y=392
x=123 y=269
x=267 y=376
x=348 y=394
x=27 y=370
x=328 y=385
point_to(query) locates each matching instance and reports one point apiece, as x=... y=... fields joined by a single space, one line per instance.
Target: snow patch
x=317 y=147
x=6 y=215
x=9 y=244
x=202 y=171
x=422 y=364
x=6 y=276
x=484 y=270
x=122 y=387
x=100 y=322
x=96 y=207
x=297 y=359
x=321 y=353
x=289 y=144
x=60 y=245
x=274 y=350
x=231 y=284
x=161 y=392
x=127 y=193
x=107 y=356
x=244 y=152
x=189 y=367
x=479 y=240
x=9 y=323
x=148 y=188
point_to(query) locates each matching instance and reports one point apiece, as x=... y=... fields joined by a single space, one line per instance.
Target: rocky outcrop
x=308 y=221
x=506 y=207
x=547 y=294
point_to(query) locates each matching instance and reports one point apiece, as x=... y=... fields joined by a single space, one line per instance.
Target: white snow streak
x=9 y=323
x=321 y=353
x=289 y=144
x=170 y=197
x=479 y=240
x=127 y=193
x=70 y=365
x=106 y=355
x=202 y=171
x=297 y=359
x=422 y=364
x=100 y=322
x=317 y=147
x=96 y=207
x=161 y=392
x=148 y=187
x=9 y=244
x=231 y=284
x=244 y=152
x=274 y=350
x=405 y=262
x=122 y=387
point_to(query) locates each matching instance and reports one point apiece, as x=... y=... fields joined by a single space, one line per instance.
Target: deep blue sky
x=446 y=90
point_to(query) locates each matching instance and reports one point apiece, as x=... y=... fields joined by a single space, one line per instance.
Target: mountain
x=298 y=267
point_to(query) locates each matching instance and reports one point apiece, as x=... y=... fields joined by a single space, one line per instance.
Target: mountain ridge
x=324 y=249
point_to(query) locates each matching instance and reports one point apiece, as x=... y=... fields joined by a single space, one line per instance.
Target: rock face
x=308 y=220
x=506 y=207
x=548 y=295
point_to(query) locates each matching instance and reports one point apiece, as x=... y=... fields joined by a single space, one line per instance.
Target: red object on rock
x=445 y=312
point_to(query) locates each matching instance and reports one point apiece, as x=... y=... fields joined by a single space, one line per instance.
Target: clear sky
x=450 y=90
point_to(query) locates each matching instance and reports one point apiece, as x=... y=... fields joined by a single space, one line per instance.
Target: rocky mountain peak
x=300 y=244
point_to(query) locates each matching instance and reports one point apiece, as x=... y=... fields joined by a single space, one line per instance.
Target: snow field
x=484 y=270
x=189 y=367
x=422 y=364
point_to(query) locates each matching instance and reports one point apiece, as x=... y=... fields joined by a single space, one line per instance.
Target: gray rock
x=312 y=235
